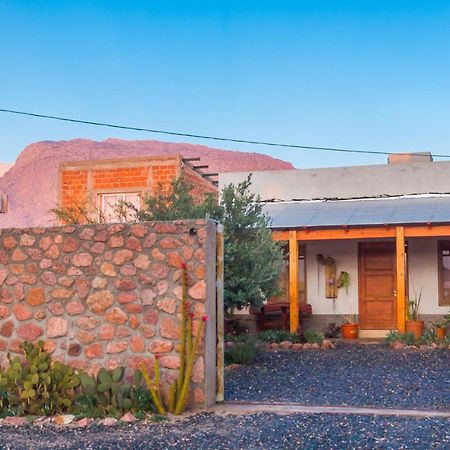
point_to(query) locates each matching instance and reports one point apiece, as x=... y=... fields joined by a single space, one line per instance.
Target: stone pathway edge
x=294 y=408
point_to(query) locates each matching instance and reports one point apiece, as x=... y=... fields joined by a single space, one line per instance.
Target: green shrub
x=243 y=351
x=428 y=337
x=313 y=337
x=405 y=338
x=278 y=336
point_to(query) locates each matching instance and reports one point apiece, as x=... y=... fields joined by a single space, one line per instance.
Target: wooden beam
x=427 y=231
x=401 y=286
x=293 y=281
x=220 y=388
x=364 y=233
x=337 y=233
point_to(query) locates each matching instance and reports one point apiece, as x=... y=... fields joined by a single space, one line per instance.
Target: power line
x=203 y=136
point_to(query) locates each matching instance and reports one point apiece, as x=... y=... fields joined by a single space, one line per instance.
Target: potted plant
x=440 y=327
x=350 y=327
x=413 y=324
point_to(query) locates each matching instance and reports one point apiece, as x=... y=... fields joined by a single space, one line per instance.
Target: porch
x=384 y=262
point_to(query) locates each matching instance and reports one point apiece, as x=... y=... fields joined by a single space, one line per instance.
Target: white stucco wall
x=345 y=254
x=423 y=274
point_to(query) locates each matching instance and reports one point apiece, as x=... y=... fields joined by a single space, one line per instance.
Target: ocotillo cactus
x=179 y=390
x=153 y=385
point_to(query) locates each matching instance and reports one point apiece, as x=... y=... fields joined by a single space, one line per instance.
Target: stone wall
x=108 y=295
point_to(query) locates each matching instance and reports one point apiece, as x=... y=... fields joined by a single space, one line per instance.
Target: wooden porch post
x=401 y=287
x=293 y=281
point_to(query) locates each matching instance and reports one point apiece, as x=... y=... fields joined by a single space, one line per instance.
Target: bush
x=313 y=337
x=278 y=336
x=428 y=337
x=244 y=350
x=405 y=338
x=332 y=331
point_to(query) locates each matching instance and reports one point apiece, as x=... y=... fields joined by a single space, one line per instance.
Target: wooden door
x=377 y=286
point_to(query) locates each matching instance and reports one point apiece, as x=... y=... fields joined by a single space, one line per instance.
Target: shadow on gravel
x=348 y=375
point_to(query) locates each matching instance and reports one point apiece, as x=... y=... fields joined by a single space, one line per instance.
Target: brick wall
x=82 y=182
x=201 y=186
x=109 y=295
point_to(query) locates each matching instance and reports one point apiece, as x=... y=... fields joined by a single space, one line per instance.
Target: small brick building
x=99 y=185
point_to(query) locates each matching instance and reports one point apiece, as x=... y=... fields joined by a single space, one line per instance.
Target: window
x=444 y=272
x=110 y=206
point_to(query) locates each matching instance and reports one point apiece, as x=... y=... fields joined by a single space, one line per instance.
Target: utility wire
x=203 y=136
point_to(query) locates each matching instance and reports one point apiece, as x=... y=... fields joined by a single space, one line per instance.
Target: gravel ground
x=260 y=431
x=353 y=375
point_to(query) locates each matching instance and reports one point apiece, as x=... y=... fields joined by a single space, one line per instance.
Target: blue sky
x=367 y=74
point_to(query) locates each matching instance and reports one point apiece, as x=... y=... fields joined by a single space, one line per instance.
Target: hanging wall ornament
x=330 y=276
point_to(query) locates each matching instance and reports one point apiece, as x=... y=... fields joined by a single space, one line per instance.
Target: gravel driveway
x=260 y=431
x=356 y=375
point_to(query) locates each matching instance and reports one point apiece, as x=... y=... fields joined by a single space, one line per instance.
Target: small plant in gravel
x=313 y=337
x=396 y=336
x=428 y=337
x=278 y=336
x=243 y=350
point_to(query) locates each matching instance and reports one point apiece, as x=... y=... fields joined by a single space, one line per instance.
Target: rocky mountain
x=32 y=183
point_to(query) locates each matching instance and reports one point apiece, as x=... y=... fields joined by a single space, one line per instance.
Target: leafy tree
x=252 y=260
x=176 y=202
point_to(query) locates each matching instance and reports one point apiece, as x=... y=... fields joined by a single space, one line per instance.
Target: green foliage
x=176 y=203
x=313 y=337
x=428 y=337
x=36 y=384
x=412 y=307
x=243 y=351
x=252 y=260
x=110 y=394
x=405 y=338
x=278 y=336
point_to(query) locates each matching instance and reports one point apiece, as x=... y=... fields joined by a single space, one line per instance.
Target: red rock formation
x=32 y=184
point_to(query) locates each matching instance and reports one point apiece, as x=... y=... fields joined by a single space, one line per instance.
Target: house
x=381 y=233
x=99 y=187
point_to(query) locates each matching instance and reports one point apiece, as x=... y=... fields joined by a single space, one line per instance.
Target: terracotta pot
x=349 y=330
x=415 y=327
x=440 y=332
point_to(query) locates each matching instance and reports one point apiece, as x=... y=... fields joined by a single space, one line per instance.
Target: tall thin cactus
x=179 y=389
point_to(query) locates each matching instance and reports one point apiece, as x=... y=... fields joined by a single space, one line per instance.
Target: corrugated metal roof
x=364 y=212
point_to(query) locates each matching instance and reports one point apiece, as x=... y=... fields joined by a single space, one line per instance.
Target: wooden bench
x=275 y=316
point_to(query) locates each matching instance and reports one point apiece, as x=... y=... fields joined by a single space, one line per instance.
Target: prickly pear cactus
x=35 y=384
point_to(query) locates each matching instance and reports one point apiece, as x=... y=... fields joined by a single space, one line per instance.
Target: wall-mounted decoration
x=343 y=281
x=330 y=275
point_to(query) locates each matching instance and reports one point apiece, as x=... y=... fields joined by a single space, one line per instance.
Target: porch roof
x=407 y=210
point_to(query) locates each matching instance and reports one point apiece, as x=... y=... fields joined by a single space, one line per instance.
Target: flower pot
x=415 y=327
x=440 y=333
x=349 y=330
